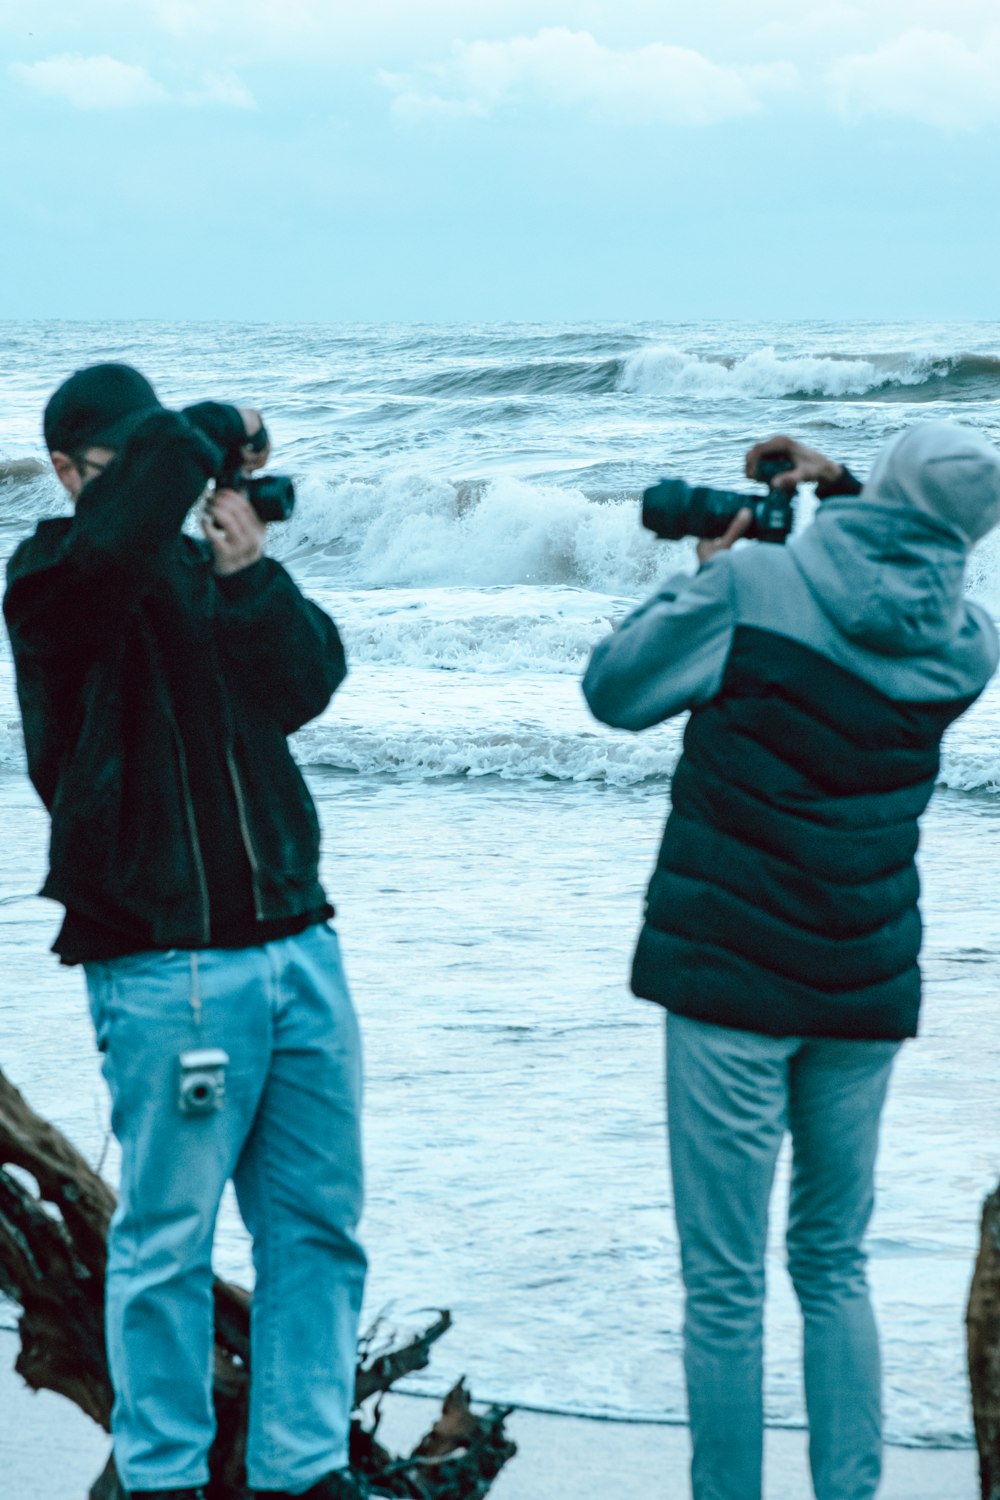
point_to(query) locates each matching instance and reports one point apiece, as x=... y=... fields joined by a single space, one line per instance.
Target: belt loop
x=195 y=991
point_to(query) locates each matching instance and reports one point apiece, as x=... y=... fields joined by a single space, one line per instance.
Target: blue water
x=468 y=511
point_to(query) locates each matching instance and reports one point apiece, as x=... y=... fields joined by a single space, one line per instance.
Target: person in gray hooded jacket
x=782 y=928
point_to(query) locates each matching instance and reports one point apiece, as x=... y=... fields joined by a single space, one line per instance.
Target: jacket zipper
x=241 y=813
x=193 y=832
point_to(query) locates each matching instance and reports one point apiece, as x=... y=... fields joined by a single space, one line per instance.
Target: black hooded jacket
x=156 y=697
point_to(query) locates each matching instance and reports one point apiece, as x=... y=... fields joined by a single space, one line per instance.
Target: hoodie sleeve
x=668 y=655
x=282 y=647
x=69 y=593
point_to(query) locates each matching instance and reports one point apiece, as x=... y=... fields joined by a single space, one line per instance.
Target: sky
x=433 y=160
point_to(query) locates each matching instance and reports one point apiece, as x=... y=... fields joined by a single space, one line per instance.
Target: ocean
x=468 y=512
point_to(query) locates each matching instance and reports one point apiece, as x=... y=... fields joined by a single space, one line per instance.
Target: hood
x=942 y=470
x=891 y=581
x=888 y=566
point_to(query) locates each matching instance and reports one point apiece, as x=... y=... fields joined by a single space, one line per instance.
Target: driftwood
x=983 y=1329
x=54 y=1216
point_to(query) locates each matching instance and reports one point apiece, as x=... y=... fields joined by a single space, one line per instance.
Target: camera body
x=673 y=508
x=201 y=1081
x=272 y=495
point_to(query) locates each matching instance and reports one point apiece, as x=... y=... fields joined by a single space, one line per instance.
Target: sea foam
x=496 y=631
x=417 y=529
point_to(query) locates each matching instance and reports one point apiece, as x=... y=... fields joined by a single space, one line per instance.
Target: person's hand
x=253 y=422
x=737 y=527
x=234 y=529
x=808 y=466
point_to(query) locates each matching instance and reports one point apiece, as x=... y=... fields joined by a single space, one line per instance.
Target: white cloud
x=221 y=88
x=107 y=83
x=930 y=76
x=570 y=69
x=92 y=82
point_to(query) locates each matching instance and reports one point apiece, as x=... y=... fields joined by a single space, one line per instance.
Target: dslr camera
x=673 y=509
x=272 y=495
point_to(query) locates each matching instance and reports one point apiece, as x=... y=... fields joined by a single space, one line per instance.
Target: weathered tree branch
x=983 y=1329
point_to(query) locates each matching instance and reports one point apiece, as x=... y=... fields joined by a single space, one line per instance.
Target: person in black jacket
x=782 y=930
x=159 y=677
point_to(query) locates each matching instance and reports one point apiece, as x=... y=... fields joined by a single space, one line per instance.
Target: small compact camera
x=202 y=1084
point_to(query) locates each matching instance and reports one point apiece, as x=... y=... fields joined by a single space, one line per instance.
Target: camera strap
x=195 y=991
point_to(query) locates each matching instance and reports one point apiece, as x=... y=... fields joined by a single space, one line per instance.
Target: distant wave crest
x=669 y=370
x=528 y=377
x=664 y=370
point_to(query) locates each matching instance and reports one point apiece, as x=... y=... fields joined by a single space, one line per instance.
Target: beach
x=469 y=514
x=53 y=1452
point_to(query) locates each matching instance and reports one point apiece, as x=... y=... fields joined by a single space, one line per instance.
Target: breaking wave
x=516 y=755
x=425 y=753
x=415 y=529
x=668 y=370
x=664 y=370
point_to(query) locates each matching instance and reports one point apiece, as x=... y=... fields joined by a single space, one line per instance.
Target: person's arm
x=278 y=644
x=69 y=592
x=236 y=430
x=668 y=655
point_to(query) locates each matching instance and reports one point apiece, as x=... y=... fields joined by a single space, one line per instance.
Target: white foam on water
x=519 y=754
x=417 y=529
x=511 y=754
x=492 y=631
x=665 y=370
x=417 y=723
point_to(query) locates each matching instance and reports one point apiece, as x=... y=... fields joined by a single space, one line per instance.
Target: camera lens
x=665 y=509
x=272 y=496
x=674 y=509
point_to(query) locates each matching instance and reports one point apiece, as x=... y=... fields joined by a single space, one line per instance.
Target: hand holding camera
x=802 y=465
x=239 y=507
x=707 y=549
x=235 y=530
x=241 y=435
x=674 y=509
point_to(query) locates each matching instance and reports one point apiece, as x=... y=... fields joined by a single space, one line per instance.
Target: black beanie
x=98 y=407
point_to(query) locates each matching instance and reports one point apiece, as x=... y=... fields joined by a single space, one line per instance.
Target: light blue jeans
x=731 y=1097
x=288 y=1135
